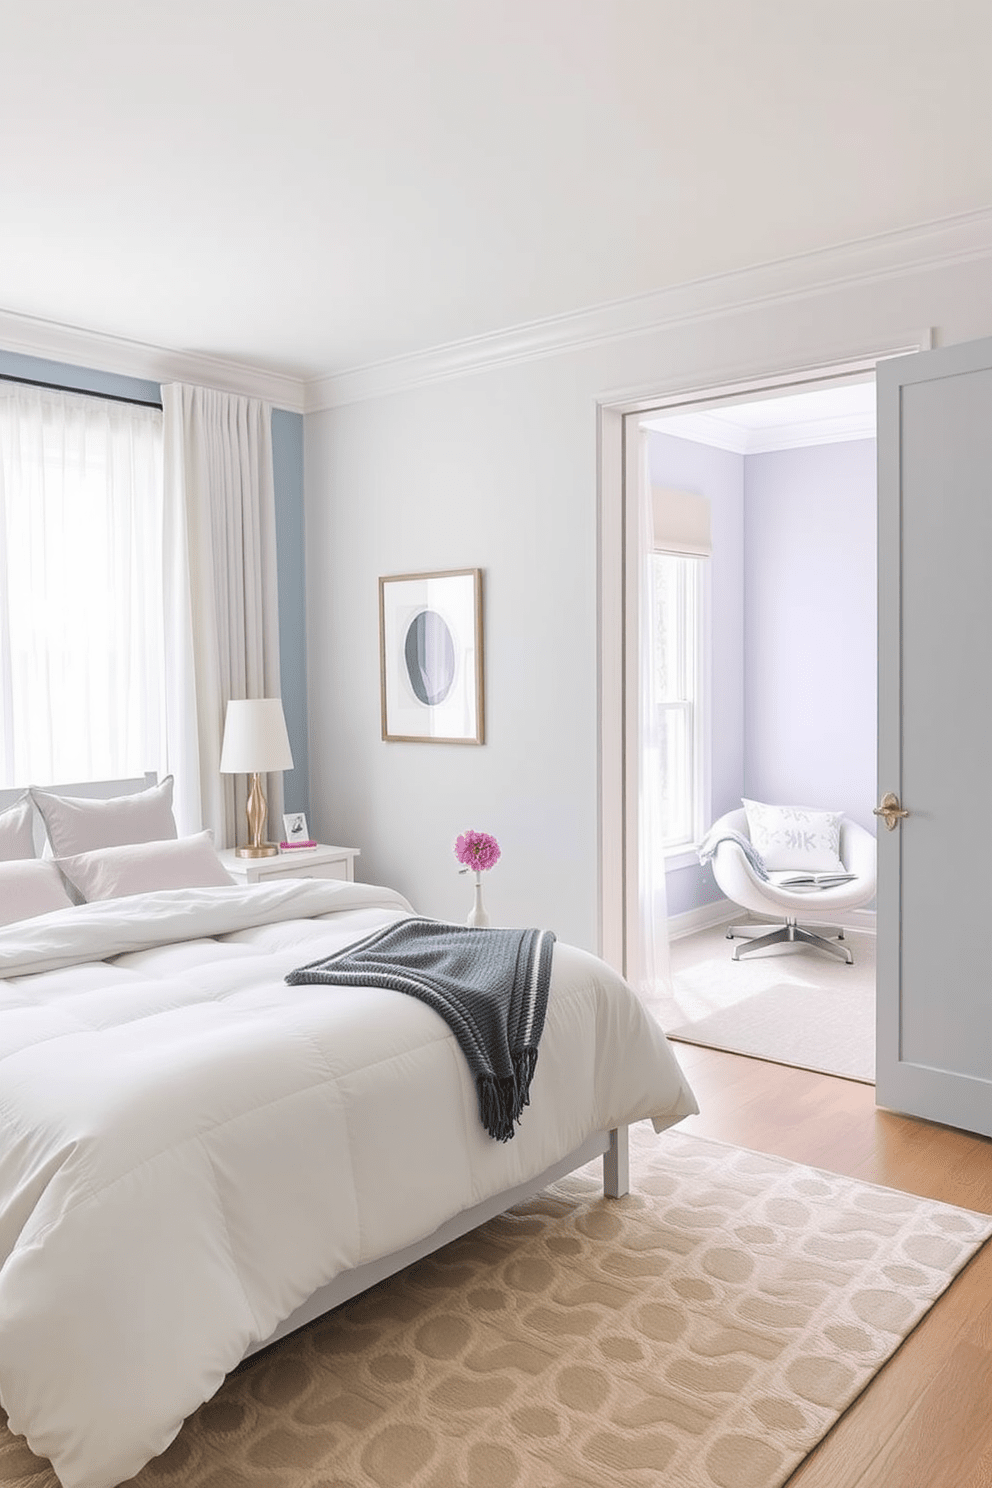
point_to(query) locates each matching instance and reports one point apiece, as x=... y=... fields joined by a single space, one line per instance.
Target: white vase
x=477 y=914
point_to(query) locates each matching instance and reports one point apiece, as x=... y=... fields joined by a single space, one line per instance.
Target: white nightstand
x=318 y=862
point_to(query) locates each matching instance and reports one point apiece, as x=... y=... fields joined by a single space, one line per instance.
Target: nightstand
x=317 y=862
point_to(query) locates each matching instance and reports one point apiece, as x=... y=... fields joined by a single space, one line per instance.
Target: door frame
x=617 y=600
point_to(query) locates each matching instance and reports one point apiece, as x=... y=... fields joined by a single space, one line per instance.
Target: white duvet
x=189 y=1148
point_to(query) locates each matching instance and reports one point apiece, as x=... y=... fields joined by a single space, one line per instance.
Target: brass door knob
x=889 y=810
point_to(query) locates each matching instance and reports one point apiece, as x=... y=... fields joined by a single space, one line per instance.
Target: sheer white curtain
x=221 y=594
x=81 y=617
x=650 y=971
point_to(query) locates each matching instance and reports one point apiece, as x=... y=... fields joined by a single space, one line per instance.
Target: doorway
x=789 y=699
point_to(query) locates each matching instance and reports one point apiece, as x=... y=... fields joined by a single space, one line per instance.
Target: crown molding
x=78 y=348
x=887 y=255
x=721 y=433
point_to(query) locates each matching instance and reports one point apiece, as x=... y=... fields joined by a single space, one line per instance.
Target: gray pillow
x=77 y=825
x=16 y=831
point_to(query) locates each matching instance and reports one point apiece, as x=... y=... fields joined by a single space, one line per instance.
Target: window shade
x=681 y=522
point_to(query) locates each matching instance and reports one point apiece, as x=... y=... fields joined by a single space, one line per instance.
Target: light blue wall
x=287 y=461
x=84 y=379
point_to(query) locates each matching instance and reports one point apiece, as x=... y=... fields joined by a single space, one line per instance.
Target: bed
x=197 y=1158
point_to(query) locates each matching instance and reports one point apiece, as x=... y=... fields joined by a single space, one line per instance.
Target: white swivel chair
x=738 y=880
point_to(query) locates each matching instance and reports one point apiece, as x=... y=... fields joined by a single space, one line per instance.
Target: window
x=81 y=612
x=679 y=584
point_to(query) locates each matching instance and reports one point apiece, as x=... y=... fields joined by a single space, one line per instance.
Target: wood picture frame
x=431 y=657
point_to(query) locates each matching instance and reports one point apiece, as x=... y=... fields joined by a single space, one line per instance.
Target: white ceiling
x=822 y=415
x=311 y=186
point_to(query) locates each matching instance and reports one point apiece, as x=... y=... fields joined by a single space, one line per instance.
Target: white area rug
x=798 y=1007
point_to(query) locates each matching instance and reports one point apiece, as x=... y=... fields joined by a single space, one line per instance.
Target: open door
x=934 y=1004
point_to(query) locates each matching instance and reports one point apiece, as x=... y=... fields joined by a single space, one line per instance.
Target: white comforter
x=189 y=1148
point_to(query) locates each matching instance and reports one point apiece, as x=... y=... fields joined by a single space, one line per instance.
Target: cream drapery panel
x=222 y=616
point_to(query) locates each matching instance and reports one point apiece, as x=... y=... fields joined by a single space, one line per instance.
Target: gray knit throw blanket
x=490 y=986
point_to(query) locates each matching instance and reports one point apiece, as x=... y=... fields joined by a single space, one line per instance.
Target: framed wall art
x=430 y=646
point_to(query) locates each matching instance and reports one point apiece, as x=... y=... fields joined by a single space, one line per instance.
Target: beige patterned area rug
x=703 y=1332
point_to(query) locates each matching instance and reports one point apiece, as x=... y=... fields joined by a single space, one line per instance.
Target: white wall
x=497 y=467
x=449 y=479
x=810 y=623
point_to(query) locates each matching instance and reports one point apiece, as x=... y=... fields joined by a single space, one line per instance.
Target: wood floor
x=925 y=1421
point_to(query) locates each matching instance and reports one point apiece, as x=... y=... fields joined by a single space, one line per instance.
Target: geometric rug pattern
x=703 y=1332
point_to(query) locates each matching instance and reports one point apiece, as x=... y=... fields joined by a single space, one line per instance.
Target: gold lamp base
x=255 y=847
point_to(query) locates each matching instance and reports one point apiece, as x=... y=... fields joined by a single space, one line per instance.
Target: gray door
x=934 y=1018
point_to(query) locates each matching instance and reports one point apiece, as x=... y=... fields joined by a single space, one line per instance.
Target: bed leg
x=616 y=1165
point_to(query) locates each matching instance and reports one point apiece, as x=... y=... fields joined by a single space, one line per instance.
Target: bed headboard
x=90 y=790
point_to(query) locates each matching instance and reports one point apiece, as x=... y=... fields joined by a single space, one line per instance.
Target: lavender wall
x=793 y=628
x=810 y=627
x=719 y=475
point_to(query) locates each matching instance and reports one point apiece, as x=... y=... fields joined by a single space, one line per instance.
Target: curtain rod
x=59 y=387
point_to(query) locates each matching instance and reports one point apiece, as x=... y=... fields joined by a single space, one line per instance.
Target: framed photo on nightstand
x=294 y=826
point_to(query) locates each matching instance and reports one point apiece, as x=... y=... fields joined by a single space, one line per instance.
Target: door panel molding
x=933 y=1006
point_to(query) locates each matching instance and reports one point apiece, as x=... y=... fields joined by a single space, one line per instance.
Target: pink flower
x=477 y=850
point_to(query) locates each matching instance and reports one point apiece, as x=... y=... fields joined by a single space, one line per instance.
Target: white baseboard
x=722 y=912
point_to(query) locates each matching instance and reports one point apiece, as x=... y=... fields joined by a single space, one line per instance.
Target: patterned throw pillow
x=795 y=837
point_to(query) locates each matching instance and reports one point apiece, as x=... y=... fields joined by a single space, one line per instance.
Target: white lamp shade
x=255 y=738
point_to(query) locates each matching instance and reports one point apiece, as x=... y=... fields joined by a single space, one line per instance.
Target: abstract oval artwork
x=430 y=657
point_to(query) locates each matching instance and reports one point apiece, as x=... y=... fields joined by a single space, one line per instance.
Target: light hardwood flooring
x=925 y=1421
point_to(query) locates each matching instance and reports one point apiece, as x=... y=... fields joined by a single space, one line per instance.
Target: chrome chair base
x=791 y=933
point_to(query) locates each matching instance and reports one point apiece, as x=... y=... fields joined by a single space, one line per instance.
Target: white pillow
x=78 y=825
x=143 y=867
x=28 y=888
x=795 y=837
x=17 y=830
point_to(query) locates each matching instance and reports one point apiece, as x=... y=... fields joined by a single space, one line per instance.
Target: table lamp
x=255 y=743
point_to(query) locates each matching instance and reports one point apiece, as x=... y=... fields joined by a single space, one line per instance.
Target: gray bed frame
x=612 y=1146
